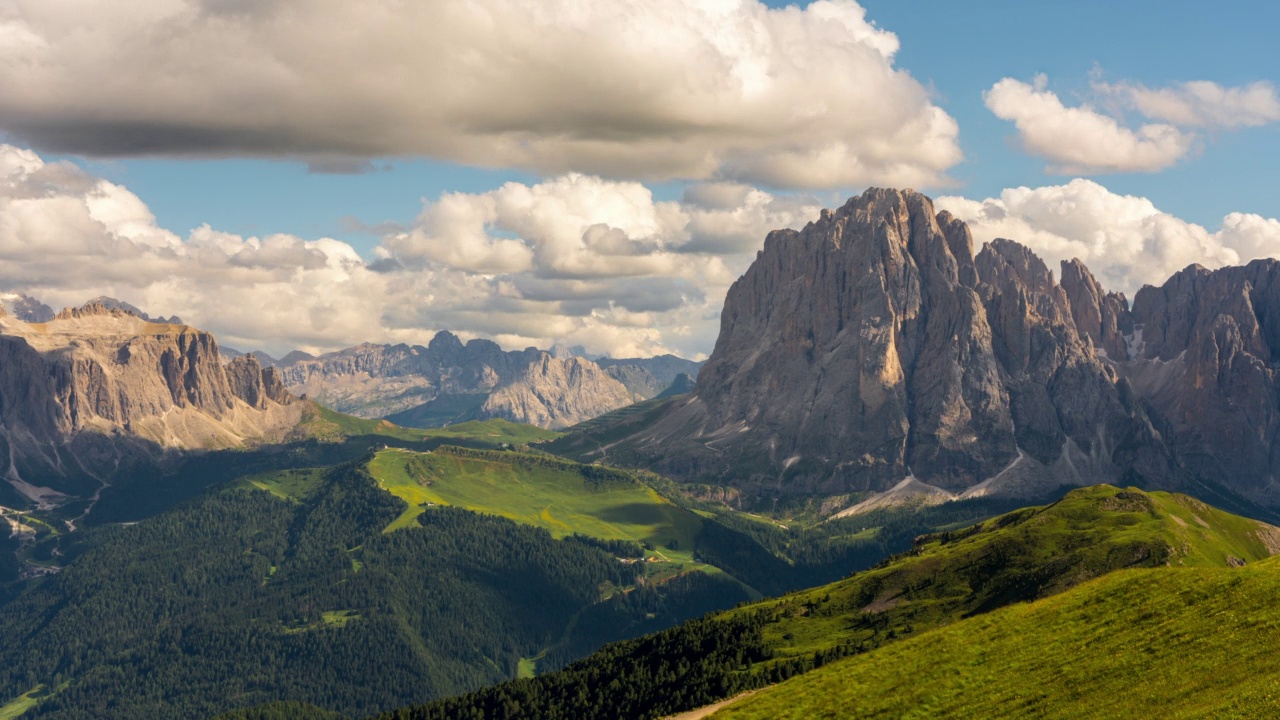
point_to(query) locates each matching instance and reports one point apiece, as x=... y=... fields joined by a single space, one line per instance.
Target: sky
x=310 y=174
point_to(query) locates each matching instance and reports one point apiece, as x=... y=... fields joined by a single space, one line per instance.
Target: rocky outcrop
x=682 y=385
x=647 y=377
x=448 y=381
x=24 y=308
x=102 y=371
x=873 y=347
x=557 y=392
x=1204 y=357
x=1100 y=317
x=114 y=304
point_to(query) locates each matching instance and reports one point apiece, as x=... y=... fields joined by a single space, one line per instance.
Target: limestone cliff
x=101 y=371
x=873 y=348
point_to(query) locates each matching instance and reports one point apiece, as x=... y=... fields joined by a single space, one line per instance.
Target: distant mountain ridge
x=449 y=381
x=873 y=346
x=25 y=308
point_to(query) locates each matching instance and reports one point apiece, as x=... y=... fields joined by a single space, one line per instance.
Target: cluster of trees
x=685 y=667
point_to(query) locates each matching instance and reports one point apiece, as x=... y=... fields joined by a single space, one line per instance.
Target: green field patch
x=536 y=490
x=328 y=618
x=339 y=618
x=24 y=702
x=294 y=485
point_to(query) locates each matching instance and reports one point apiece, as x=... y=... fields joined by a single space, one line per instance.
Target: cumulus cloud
x=1082 y=139
x=1124 y=239
x=1201 y=103
x=576 y=259
x=628 y=88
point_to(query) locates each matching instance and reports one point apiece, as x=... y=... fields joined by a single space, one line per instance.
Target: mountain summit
x=873 y=348
x=74 y=388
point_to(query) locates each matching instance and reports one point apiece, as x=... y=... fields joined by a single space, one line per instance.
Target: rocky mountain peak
x=92 y=309
x=97 y=375
x=112 y=303
x=872 y=347
x=25 y=308
x=445 y=342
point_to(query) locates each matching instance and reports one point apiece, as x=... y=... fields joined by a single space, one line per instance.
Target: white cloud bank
x=575 y=259
x=1201 y=103
x=695 y=89
x=1082 y=139
x=1125 y=240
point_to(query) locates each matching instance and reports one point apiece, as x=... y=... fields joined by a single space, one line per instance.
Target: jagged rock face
x=557 y=392
x=400 y=380
x=25 y=308
x=1101 y=317
x=1203 y=356
x=114 y=304
x=852 y=351
x=873 y=347
x=648 y=377
x=683 y=384
x=101 y=370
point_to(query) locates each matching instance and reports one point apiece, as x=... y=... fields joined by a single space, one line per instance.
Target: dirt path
x=706 y=711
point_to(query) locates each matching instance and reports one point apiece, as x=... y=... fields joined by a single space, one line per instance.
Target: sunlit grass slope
x=561 y=496
x=1023 y=555
x=321 y=422
x=1167 y=643
x=953 y=579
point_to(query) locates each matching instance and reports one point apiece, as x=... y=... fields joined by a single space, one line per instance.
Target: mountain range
x=874 y=354
x=448 y=381
x=195 y=530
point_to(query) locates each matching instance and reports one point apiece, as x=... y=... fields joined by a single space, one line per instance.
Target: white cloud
x=576 y=259
x=1081 y=139
x=1201 y=103
x=730 y=89
x=1125 y=240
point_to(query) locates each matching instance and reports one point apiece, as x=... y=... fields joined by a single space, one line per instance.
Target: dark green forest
x=238 y=599
x=241 y=598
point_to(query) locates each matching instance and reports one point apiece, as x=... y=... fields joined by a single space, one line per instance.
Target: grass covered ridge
x=1020 y=556
x=952 y=577
x=561 y=496
x=322 y=423
x=1168 y=642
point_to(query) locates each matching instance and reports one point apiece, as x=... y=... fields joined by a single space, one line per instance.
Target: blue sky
x=685 y=129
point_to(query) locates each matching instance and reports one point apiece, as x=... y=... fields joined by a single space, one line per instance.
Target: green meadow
x=1176 y=642
x=535 y=490
x=324 y=423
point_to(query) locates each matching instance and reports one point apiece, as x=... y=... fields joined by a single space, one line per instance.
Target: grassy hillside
x=563 y=497
x=589 y=441
x=323 y=423
x=1021 y=556
x=442 y=411
x=1169 y=643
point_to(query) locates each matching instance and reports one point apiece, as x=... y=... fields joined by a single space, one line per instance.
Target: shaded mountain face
x=25 y=307
x=873 y=348
x=76 y=388
x=447 y=382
